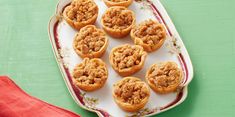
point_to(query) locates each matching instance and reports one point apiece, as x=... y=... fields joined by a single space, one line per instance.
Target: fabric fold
x=14 y=102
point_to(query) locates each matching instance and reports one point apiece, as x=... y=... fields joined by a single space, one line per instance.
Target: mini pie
x=81 y=13
x=131 y=94
x=124 y=3
x=90 y=75
x=127 y=59
x=90 y=42
x=149 y=34
x=117 y=21
x=164 y=78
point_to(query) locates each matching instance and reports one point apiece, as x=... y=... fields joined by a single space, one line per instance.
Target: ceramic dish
x=62 y=36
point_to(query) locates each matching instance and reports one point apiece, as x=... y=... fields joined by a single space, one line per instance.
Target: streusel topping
x=82 y=10
x=127 y=56
x=131 y=91
x=91 y=71
x=90 y=39
x=165 y=75
x=150 y=32
x=118 y=18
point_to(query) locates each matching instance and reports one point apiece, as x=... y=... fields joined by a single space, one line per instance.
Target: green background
x=207 y=28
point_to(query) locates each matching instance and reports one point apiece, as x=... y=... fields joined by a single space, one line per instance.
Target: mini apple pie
x=165 y=77
x=90 y=42
x=124 y=3
x=81 y=13
x=90 y=75
x=117 y=21
x=149 y=34
x=131 y=94
x=127 y=59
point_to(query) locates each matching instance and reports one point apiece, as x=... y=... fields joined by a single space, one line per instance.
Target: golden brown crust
x=124 y=3
x=164 y=78
x=149 y=34
x=131 y=94
x=81 y=13
x=117 y=21
x=90 y=75
x=127 y=59
x=90 y=42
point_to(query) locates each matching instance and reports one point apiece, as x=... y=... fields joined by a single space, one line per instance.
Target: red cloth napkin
x=14 y=102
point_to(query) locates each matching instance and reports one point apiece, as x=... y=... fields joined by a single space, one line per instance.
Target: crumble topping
x=165 y=75
x=131 y=91
x=91 y=71
x=118 y=18
x=150 y=32
x=127 y=56
x=90 y=39
x=82 y=10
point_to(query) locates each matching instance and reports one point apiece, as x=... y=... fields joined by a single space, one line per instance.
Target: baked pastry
x=90 y=75
x=131 y=94
x=90 y=42
x=117 y=21
x=149 y=34
x=127 y=59
x=81 y=13
x=165 y=77
x=124 y=3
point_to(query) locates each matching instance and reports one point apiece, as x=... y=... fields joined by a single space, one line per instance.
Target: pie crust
x=124 y=3
x=131 y=94
x=90 y=42
x=90 y=75
x=81 y=13
x=149 y=34
x=165 y=77
x=127 y=59
x=118 y=21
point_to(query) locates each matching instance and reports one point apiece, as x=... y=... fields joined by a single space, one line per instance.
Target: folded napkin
x=14 y=102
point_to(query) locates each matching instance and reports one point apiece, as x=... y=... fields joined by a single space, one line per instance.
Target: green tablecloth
x=207 y=28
